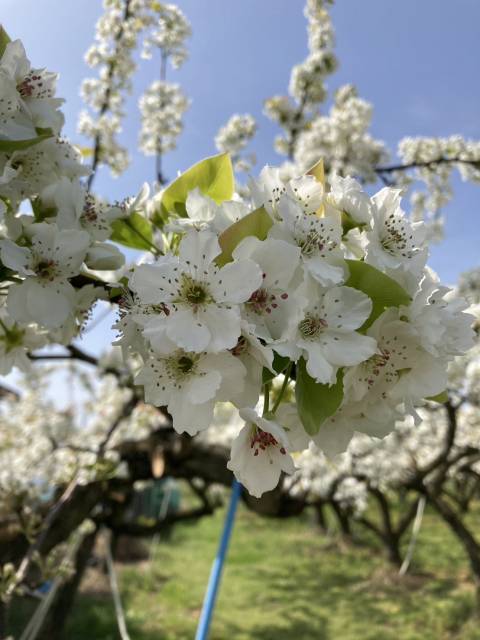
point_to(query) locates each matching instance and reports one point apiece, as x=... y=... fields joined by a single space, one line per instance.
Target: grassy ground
x=284 y=580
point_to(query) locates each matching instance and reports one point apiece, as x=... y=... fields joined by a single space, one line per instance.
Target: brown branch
x=427 y=164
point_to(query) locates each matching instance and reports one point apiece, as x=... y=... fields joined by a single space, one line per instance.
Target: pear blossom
x=325 y=334
x=260 y=453
x=189 y=384
x=393 y=241
x=203 y=213
x=45 y=296
x=16 y=341
x=77 y=209
x=274 y=300
x=319 y=240
x=270 y=188
x=197 y=301
x=347 y=195
x=27 y=99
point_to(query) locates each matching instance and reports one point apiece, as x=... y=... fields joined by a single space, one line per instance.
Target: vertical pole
x=216 y=571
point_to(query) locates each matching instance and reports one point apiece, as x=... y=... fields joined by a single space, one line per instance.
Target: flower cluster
x=234 y=136
x=334 y=294
x=120 y=29
x=64 y=235
x=307 y=81
x=342 y=138
x=162 y=107
x=432 y=162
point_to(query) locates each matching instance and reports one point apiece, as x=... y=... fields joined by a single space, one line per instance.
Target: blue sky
x=416 y=61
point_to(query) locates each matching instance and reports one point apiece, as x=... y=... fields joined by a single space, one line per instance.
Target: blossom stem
x=155 y=250
x=286 y=377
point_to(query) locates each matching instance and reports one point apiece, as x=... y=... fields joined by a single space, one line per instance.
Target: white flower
x=26 y=173
x=45 y=296
x=197 y=301
x=326 y=333
x=27 y=96
x=319 y=240
x=400 y=371
x=393 y=241
x=270 y=188
x=205 y=214
x=439 y=319
x=16 y=341
x=190 y=384
x=274 y=300
x=347 y=195
x=77 y=209
x=260 y=453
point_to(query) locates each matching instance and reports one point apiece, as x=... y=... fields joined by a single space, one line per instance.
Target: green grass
x=284 y=580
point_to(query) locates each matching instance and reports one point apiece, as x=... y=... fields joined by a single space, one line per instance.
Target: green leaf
x=441 y=398
x=316 y=402
x=348 y=223
x=4 y=40
x=134 y=231
x=213 y=176
x=255 y=224
x=381 y=289
x=9 y=146
x=280 y=363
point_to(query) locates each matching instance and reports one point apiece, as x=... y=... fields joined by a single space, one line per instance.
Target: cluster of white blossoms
x=43 y=447
x=123 y=25
x=433 y=161
x=307 y=81
x=342 y=137
x=162 y=107
x=65 y=232
x=320 y=284
x=234 y=136
x=163 y=104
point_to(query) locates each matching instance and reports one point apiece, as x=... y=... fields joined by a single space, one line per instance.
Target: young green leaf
x=316 y=402
x=213 y=176
x=134 y=231
x=255 y=224
x=280 y=363
x=441 y=398
x=9 y=146
x=4 y=40
x=381 y=289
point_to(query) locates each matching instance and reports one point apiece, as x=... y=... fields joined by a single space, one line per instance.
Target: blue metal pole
x=216 y=571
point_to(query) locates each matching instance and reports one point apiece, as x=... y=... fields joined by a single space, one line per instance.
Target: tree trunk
x=3 y=620
x=320 y=516
x=343 y=520
x=471 y=546
x=54 y=626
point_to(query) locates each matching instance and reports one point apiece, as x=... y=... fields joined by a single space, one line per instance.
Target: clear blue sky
x=417 y=61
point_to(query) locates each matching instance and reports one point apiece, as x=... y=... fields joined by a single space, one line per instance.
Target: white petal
x=236 y=281
x=188 y=417
x=347 y=349
x=187 y=331
x=198 y=249
x=317 y=365
x=346 y=309
x=199 y=389
x=156 y=283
